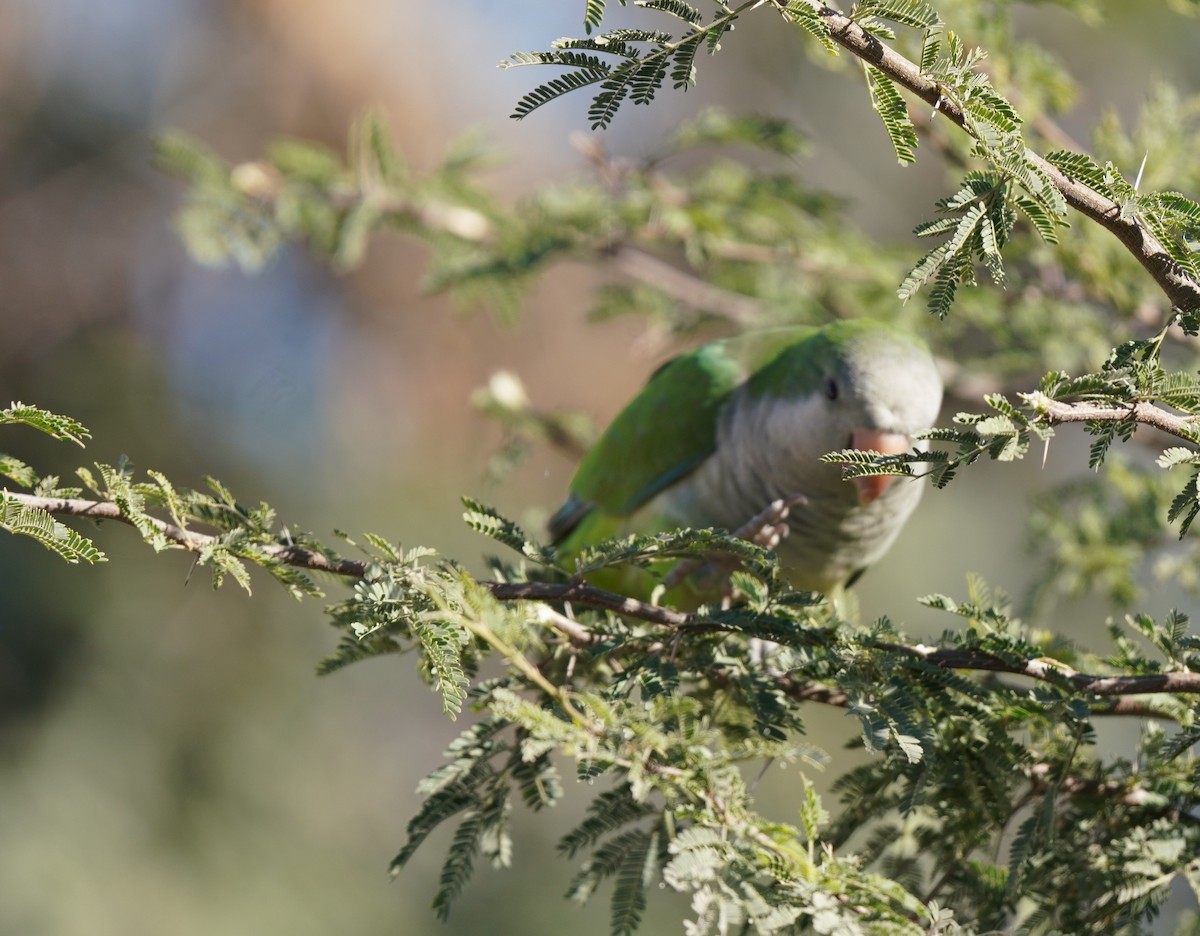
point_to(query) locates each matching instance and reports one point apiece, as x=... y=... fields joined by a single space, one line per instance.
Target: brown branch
x=1114 y=705
x=1144 y=412
x=1043 y=670
x=1124 y=705
x=589 y=596
x=1179 y=287
x=684 y=287
x=808 y=691
x=287 y=553
x=1048 y=670
x=262 y=181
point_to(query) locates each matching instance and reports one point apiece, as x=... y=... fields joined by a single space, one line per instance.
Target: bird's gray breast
x=768 y=448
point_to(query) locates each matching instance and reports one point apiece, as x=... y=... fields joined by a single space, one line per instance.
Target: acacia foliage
x=986 y=803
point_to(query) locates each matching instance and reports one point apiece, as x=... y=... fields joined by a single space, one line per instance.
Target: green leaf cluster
x=35 y=521
x=627 y=64
x=981 y=792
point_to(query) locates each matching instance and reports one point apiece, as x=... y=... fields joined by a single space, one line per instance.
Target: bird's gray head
x=855 y=384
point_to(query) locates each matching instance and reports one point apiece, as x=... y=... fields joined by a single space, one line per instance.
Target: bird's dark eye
x=831 y=388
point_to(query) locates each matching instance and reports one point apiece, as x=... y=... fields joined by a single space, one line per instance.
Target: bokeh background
x=169 y=762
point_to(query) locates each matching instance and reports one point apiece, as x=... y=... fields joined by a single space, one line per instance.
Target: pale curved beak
x=885 y=443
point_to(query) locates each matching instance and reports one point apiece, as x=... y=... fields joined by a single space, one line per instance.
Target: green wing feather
x=667 y=430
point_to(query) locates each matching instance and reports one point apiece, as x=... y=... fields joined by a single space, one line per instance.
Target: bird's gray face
x=876 y=398
x=874 y=394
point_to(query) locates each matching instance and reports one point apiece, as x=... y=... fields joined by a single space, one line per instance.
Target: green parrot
x=720 y=432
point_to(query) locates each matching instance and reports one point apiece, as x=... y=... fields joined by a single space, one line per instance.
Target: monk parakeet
x=720 y=432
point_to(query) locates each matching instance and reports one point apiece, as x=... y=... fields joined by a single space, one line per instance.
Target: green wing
x=667 y=430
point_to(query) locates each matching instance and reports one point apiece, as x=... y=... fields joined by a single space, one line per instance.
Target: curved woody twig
x=584 y=595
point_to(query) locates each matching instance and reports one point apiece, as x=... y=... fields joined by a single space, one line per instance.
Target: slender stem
x=589 y=596
x=1173 y=280
x=519 y=662
x=1143 y=411
x=289 y=554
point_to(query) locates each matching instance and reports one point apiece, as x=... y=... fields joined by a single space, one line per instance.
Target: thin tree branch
x=1144 y=412
x=1179 y=287
x=589 y=596
x=684 y=287
x=1048 y=670
x=1117 y=705
x=287 y=553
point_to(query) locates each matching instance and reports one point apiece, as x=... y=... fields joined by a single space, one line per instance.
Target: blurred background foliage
x=169 y=763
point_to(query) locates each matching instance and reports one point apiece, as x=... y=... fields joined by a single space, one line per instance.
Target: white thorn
x=1141 y=169
x=1045 y=452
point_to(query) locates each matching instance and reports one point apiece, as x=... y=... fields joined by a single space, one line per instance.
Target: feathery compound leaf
x=63 y=428
x=683 y=66
x=912 y=13
x=39 y=525
x=1043 y=221
x=1182 y=211
x=714 y=32
x=621 y=36
x=471 y=751
x=993 y=110
x=460 y=862
x=188 y=158
x=624 y=856
x=858 y=463
x=1179 y=390
x=975 y=186
x=489 y=522
x=924 y=270
x=680 y=544
x=965 y=229
x=538 y=781
x=607 y=813
x=556 y=88
x=677 y=8
x=1035 y=182
x=1186 y=505
x=945 y=288
x=1005 y=408
x=17 y=470
x=937 y=226
x=1171 y=236
x=948 y=264
x=297 y=583
x=593 y=15
x=637 y=871
x=1177 y=455
x=442 y=644
x=1081 y=167
x=573 y=53
x=119 y=488
x=931 y=47
x=991 y=239
x=464 y=793
x=613 y=92
x=808 y=19
x=648 y=79
x=893 y=111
